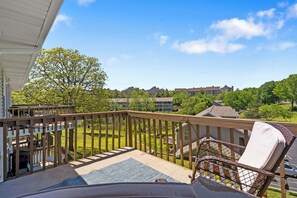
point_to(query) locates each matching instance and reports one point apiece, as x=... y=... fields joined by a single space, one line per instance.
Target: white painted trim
x=32 y=50
x=48 y=23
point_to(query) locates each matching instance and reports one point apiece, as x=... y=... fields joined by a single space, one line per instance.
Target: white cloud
x=239 y=28
x=115 y=60
x=161 y=38
x=286 y=45
x=292 y=11
x=112 y=61
x=126 y=57
x=60 y=19
x=227 y=34
x=216 y=45
x=280 y=46
x=280 y=23
x=266 y=13
x=282 y=4
x=85 y=2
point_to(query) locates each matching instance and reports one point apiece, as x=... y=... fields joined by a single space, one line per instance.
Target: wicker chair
x=249 y=169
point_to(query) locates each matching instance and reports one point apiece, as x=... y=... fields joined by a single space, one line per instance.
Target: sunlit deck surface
x=45 y=179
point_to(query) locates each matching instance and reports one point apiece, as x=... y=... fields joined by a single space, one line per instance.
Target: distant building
x=219 y=111
x=214 y=90
x=162 y=104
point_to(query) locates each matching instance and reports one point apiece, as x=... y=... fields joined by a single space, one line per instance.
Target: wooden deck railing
x=168 y=136
x=39 y=110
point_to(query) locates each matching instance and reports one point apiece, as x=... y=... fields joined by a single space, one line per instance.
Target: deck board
x=43 y=179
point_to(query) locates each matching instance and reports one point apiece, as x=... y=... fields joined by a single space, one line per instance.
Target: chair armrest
x=239 y=176
x=236 y=164
x=220 y=149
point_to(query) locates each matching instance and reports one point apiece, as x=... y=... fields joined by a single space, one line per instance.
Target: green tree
x=287 y=89
x=270 y=112
x=195 y=104
x=239 y=99
x=252 y=110
x=141 y=101
x=266 y=94
x=179 y=96
x=164 y=93
x=65 y=76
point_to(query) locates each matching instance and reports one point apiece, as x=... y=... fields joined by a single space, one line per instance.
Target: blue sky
x=182 y=43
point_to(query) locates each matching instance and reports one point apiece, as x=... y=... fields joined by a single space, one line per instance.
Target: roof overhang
x=24 y=26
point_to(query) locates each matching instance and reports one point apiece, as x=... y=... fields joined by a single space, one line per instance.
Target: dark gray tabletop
x=202 y=187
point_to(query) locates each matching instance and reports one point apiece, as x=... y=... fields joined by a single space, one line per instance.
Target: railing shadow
x=100 y=157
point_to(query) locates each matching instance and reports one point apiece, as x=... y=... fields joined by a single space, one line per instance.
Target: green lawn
x=275 y=193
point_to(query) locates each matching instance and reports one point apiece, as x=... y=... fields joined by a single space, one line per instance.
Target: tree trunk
x=292 y=103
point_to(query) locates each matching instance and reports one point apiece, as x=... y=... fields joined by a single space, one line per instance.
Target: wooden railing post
x=160 y=138
x=31 y=130
x=75 y=138
x=112 y=132
x=130 y=130
x=139 y=133
x=282 y=179
x=149 y=135
x=5 y=130
x=119 y=130
x=135 y=133
x=144 y=134
x=92 y=135
x=56 y=143
x=84 y=137
x=181 y=146
x=106 y=133
x=99 y=133
x=173 y=142
x=17 y=149
x=66 y=140
x=155 y=137
x=126 y=129
x=166 y=140
x=190 y=144
x=43 y=143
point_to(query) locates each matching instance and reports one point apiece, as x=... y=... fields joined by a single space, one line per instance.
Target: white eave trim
x=48 y=23
x=32 y=50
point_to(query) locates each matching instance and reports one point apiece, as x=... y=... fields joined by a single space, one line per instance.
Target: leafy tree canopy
x=195 y=104
x=269 y=112
x=179 y=96
x=141 y=101
x=65 y=76
x=239 y=99
x=287 y=89
x=266 y=94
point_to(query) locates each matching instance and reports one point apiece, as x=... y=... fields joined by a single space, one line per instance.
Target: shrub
x=269 y=112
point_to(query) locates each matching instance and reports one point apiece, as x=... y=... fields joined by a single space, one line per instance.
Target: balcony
x=38 y=110
x=67 y=146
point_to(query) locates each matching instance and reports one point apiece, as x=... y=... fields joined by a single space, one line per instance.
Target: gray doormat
x=129 y=170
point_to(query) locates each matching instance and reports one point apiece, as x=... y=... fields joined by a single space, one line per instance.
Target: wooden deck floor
x=43 y=179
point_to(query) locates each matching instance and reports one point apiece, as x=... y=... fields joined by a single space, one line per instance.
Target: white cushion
x=265 y=146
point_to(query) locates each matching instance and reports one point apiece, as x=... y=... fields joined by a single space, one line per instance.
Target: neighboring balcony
x=82 y=143
x=38 y=110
